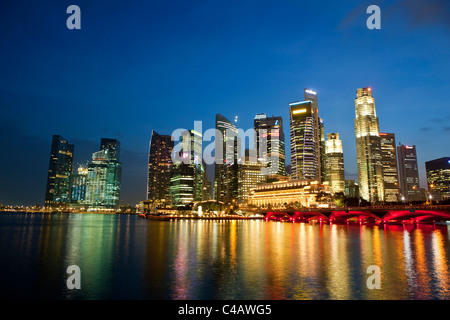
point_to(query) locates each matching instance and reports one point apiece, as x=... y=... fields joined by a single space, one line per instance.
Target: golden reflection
x=338 y=266
x=440 y=263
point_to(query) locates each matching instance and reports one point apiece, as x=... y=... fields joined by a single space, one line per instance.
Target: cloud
x=425 y=129
x=424 y=13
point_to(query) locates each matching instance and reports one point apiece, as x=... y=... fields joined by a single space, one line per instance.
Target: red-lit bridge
x=363 y=215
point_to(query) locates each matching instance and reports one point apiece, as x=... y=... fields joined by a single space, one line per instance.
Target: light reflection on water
x=126 y=257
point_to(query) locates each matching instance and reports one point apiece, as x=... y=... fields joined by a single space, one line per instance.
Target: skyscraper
x=226 y=164
x=59 y=173
x=104 y=177
x=307 y=140
x=368 y=147
x=250 y=175
x=159 y=166
x=408 y=173
x=438 y=176
x=187 y=173
x=389 y=162
x=335 y=163
x=78 y=185
x=271 y=129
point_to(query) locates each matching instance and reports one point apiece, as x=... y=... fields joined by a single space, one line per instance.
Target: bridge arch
x=309 y=215
x=345 y=216
x=419 y=216
x=277 y=216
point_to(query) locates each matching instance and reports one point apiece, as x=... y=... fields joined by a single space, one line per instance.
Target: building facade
x=226 y=161
x=307 y=139
x=270 y=143
x=408 y=173
x=59 y=173
x=438 y=177
x=335 y=163
x=188 y=172
x=368 y=147
x=159 y=166
x=250 y=172
x=294 y=192
x=104 y=177
x=389 y=161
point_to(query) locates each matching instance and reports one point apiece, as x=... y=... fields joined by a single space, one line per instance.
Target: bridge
x=377 y=215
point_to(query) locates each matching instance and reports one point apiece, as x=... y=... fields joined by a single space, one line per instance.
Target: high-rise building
x=104 y=177
x=250 y=175
x=351 y=189
x=226 y=164
x=159 y=166
x=408 y=173
x=188 y=173
x=59 y=173
x=307 y=139
x=389 y=161
x=368 y=147
x=335 y=163
x=271 y=130
x=78 y=185
x=438 y=177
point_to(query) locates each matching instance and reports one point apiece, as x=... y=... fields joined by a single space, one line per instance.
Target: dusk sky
x=138 y=66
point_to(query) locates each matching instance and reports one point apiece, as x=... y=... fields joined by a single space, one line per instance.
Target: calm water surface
x=127 y=257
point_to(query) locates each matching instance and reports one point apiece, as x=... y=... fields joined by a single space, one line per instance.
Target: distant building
x=334 y=156
x=104 y=177
x=351 y=189
x=250 y=175
x=59 y=173
x=270 y=129
x=389 y=161
x=188 y=173
x=438 y=177
x=368 y=147
x=226 y=161
x=408 y=174
x=159 y=166
x=79 y=182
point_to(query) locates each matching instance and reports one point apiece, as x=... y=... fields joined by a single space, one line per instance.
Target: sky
x=138 y=66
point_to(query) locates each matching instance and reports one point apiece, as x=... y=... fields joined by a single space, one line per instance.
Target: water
x=127 y=257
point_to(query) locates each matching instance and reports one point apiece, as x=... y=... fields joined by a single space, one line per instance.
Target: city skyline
x=402 y=65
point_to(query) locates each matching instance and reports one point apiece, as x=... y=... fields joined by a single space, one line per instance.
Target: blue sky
x=138 y=66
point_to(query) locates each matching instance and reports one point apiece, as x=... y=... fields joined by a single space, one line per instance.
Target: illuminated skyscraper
x=368 y=147
x=104 y=177
x=79 y=181
x=226 y=164
x=335 y=163
x=159 y=166
x=59 y=173
x=389 y=161
x=307 y=139
x=188 y=172
x=271 y=129
x=250 y=175
x=408 y=173
x=438 y=177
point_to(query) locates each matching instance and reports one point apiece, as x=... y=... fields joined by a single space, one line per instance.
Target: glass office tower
x=438 y=177
x=389 y=161
x=335 y=163
x=226 y=161
x=104 y=177
x=159 y=166
x=59 y=173
x=307 y=139
x=408 y=173
x=368 y=147
x=270 y=129
x=188 y=172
